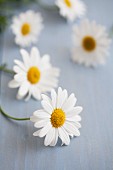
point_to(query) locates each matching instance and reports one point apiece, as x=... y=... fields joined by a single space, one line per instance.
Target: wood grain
x=93 y=150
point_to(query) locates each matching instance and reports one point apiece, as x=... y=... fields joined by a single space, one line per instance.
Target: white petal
x=77 y=124
x=74 y=122
x=52 y=72
x=20 y=64
x=20 y=77
x=71 y=129
x=23 y=90
x=28 y=96
x=64 y=136
x=49 y=137
x=62 y=96
x=34 y=119
x=36 y=93
x=55 y=138
x=45 y=130
x=54 y=97
x=47 y=99
x=41 y=114
x=47 y=107
x=74 y=118
x=17 y=69
x=49 y=82
x=36 y=133
x=78 y=118
x=41 y=123
x=25 y=56
x=71 y=135
x=19 y=97
x=35 y=54
x=13 y=84
x=45 y=59
x=69 y=104
x=74 y=111
x=59 y=97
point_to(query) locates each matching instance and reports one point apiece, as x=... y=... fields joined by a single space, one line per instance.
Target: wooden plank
x=93 y=150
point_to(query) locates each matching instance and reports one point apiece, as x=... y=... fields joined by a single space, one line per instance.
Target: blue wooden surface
x=93 y=150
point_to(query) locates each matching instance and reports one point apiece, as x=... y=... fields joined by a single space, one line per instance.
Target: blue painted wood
x=93 y=150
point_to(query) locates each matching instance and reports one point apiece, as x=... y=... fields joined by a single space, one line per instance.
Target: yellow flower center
x=57 y=118
x=89 y=43
x=68 y=3
x=33 y=75
x=25 y=30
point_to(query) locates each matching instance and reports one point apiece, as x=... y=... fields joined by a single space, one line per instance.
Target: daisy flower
x=27 y=27
x=34 y=75
x=71 y=9
x=58 y=118
x=91 y=43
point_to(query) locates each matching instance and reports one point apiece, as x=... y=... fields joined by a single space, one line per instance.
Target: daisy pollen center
x=68 y=3
x=57 y=118
x=25 y=30
x=33 y=75
x=89 y=43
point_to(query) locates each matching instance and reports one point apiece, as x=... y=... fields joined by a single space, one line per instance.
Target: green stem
x=10 y=117
x=4 y=69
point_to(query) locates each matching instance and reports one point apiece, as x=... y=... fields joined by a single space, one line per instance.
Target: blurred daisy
x=71 y=9
x=27 y=27
x=34 y=75
x=58 y=118
x=91 y=43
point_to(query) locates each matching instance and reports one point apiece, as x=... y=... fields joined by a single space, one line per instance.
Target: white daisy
x=58 y=118
x=71 y=9
x=27 y=27
x=91 y=43
x=34 y=75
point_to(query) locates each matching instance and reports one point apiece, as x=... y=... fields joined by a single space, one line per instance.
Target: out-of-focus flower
x=34 y=75
x=58 y=118
x=71 y=9
x=91 y=43
x=27 y=27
